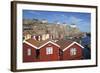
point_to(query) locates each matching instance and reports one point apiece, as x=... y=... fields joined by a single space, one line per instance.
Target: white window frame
x=49 y=50
x=29 y=52
x=73 y=51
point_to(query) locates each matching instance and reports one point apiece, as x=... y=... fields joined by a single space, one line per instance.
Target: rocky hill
x=39 y=27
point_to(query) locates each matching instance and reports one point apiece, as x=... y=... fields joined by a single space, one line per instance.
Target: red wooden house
x=29 y=50
x=34 y=51
x=49 y=51
x=70 y=50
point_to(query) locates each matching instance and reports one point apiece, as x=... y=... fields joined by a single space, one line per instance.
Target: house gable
x=49 y=42
x=30 y=44
x=73 y=44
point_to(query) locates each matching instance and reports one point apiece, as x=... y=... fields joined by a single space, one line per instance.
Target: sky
x=82 y=20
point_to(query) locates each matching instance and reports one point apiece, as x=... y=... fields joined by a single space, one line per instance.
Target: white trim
x=40 y=46
x=21 y=65
x=30 y=44
x=73 y=51
x=73 y=44
x=47 y=43
x=29 y=51
x=49 y=50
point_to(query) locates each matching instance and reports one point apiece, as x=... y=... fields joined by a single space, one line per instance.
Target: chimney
x=39 y=38
x=34 y=37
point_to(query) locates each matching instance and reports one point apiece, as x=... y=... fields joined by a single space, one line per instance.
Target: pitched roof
x=32 y=42
x=43 y=43
x=64 y=43
x=38 y=44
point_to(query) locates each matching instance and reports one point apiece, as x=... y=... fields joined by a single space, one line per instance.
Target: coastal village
x=45 y=41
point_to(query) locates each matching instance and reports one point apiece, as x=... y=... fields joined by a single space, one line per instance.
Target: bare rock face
x=37 y=27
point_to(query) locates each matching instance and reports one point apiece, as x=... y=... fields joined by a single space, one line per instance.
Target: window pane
x=73 y=51
x=29 y=52
x=49 y=50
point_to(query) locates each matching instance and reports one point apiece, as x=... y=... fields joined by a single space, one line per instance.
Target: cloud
x=81 y=23
x=75 y=20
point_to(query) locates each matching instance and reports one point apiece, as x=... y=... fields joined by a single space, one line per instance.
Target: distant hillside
x=39 y=27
